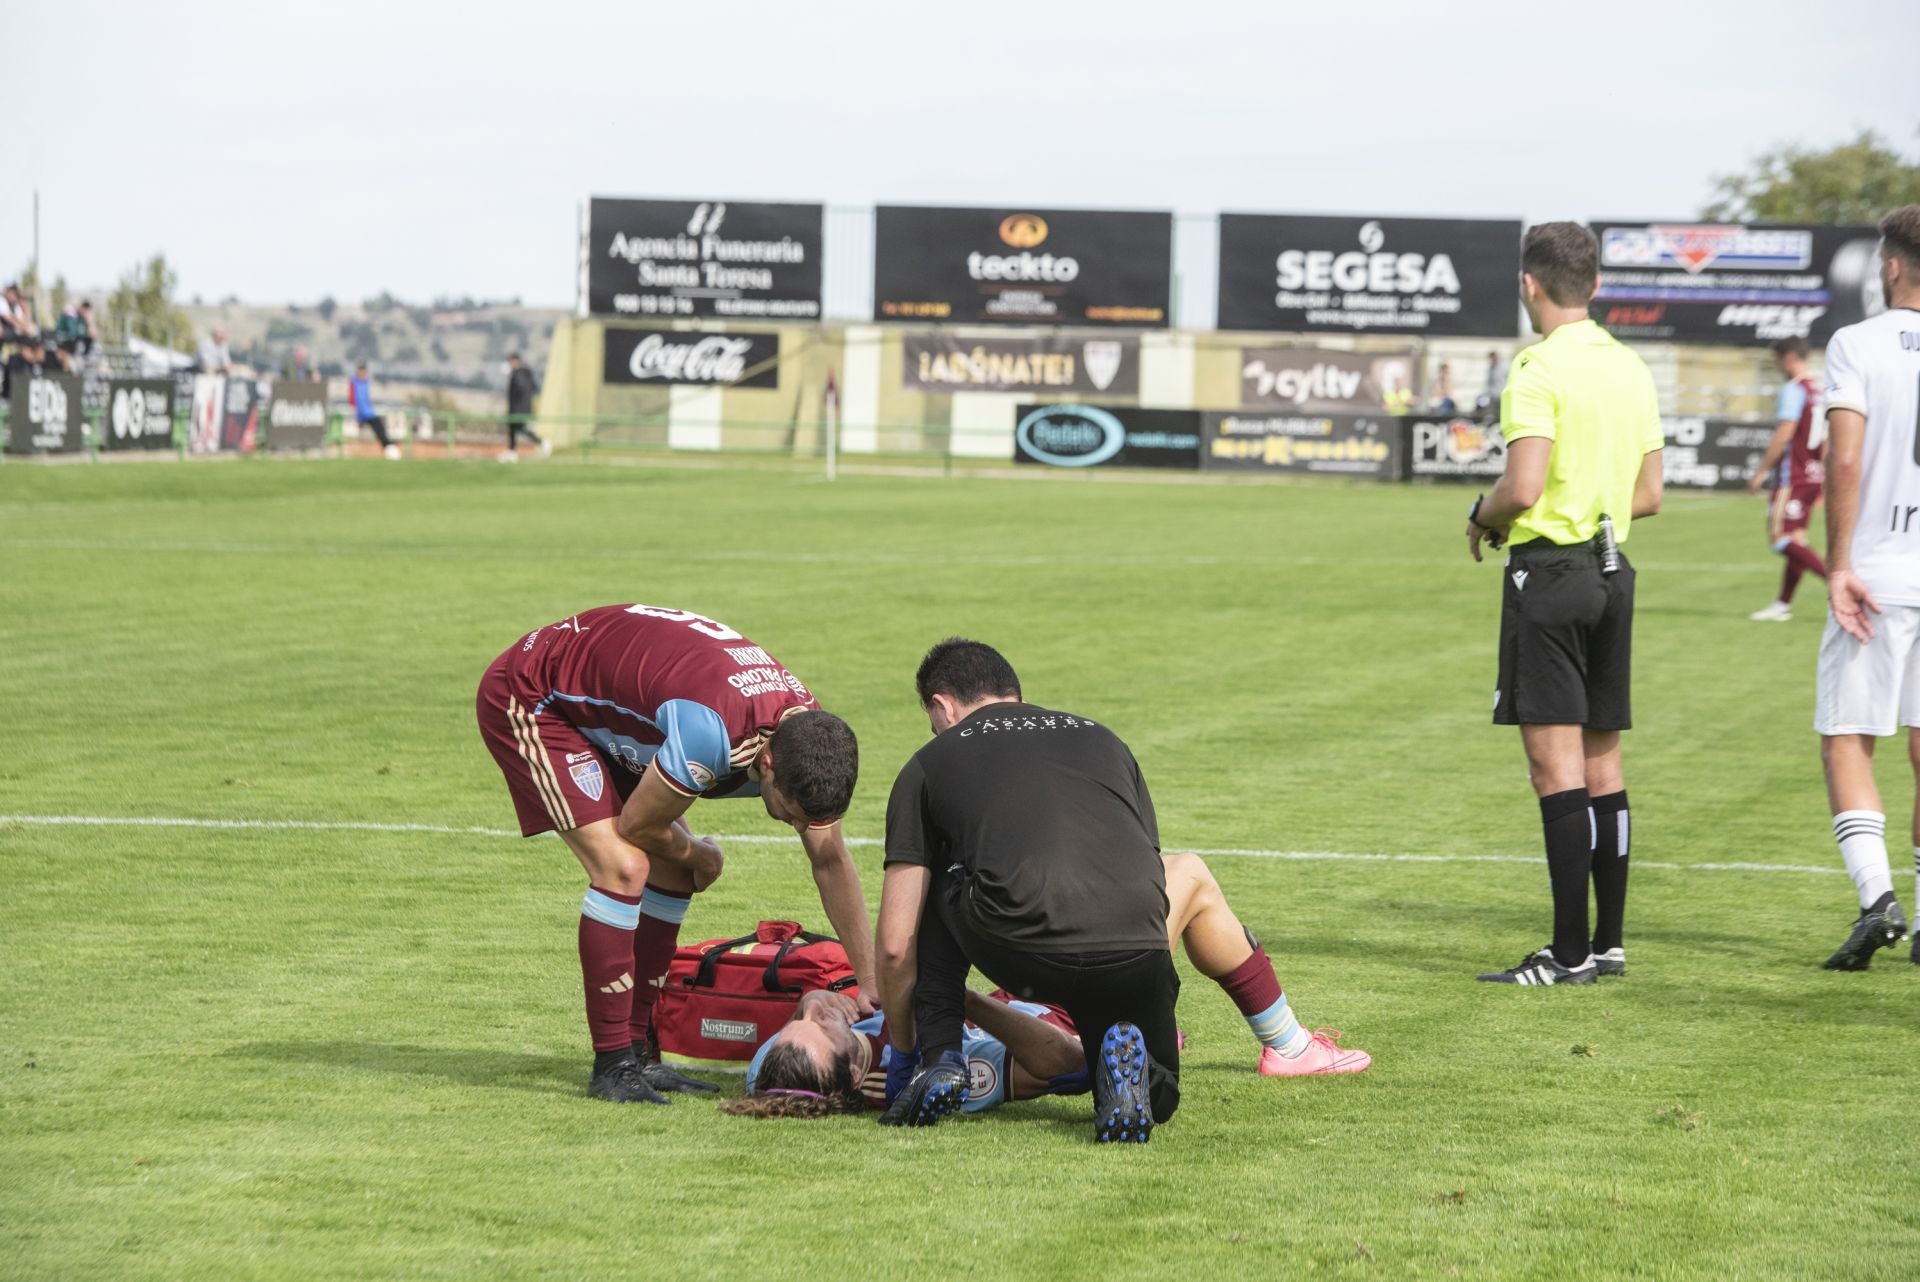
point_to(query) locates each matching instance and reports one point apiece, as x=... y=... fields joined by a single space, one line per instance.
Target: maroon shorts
x=557 y=779
x=1792 y=509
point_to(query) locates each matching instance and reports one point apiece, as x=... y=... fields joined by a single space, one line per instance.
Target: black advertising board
x=1735 y=285
x=1421 y=277
x=44 y=415
x=1454 y=447
x=239 y=415
x=1067 y=435
x=1712 y=453
x=297 y=414
x=1313 y=378
x=688 y=356
x=139 y=414
x=1054 y=364
x=1023 y=266
x=737 y=260
x=1330 y=444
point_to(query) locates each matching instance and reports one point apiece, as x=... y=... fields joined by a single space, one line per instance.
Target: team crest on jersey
x=589 y=778
x=702 y=777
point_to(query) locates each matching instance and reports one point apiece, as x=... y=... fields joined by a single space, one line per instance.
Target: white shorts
x=1873 y=688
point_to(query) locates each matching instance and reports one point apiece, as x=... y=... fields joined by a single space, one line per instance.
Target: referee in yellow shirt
x=1582 y=425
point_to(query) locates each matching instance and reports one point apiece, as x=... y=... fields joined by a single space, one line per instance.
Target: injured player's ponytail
x=791 y=1083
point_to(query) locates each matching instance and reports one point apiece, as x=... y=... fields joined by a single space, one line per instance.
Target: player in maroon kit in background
x=1793 y=467
x=608 y=725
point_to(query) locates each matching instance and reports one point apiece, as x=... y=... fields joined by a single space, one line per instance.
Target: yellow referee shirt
x=1589 y=394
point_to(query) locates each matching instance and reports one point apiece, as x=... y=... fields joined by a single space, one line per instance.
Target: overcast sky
x=285 y=152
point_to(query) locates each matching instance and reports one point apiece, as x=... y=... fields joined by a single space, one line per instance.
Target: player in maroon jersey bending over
x=607 y=726
x=1793 y=467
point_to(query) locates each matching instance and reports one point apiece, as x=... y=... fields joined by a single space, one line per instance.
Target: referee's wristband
x=1473 y=515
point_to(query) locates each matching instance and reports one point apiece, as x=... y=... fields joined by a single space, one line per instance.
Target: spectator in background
x=16 y=319
x=522 y=387
x=364 y=412
x=214 y=356
x=1441 y=401
x=1488 y=405
x=35 y=357
x=298 y=367
x=76 y=331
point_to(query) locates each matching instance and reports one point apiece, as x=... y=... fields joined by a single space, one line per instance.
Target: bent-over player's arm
x=1037 y=1051
x=839 y=885
x=903 y=897
x=649 y=820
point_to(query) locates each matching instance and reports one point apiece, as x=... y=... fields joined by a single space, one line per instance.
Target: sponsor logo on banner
x=1337 y=444
x=1429 y=276
x=44 y=416
x=1733 y=284
x=1310 y=378
x=1455 y=446
x=652 y=356
x=297 y=414
x=139 y=414
x=589 y=778
x=1712 y=453
x=1029 y=267
x=738 y=259
x=1072 y=435
x=943 y=362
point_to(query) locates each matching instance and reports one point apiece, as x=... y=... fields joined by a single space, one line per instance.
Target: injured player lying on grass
x=828 y=1060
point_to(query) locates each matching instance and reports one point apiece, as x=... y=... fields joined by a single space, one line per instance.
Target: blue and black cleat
x=936 y=1091
x=1122 y=1114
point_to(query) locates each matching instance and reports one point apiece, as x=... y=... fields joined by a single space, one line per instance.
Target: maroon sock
x=1807 y=559
x=1252 y=984
x=661 y=912
x=1790 y=577
x=606 y=964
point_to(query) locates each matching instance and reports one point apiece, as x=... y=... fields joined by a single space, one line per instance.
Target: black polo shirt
x=1043 y=818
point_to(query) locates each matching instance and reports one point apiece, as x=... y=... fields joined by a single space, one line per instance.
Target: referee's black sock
x=1568 y=820
x=1610 y=846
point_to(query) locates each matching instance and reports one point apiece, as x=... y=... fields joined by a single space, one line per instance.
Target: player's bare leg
x=1860 y=826
x=616 y=879
x=1607 y=789
x=1225 y=951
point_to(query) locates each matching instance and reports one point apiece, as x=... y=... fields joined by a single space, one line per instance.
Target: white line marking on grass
x=761 y=838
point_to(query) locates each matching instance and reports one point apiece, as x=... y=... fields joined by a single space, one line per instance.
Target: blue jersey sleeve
x=1792 y=403
x=697 y=752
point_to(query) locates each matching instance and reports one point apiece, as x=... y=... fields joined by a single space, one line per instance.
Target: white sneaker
x=508 y=456
x=392 y=451
x=546 y=448
x=1778 y=612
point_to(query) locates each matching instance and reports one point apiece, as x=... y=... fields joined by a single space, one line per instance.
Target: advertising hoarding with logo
x=1057 y=364
x=1712 y=453
x=1454 y=447
x=44 y=415
x=1023 y=266
x=686 y=356
x=1068 y=435
x=297 y=414
x=1366 y=445
x=139 y=414
x=738 y=260
x=1732 y=284
x=1312 y=378
x=1421 y=277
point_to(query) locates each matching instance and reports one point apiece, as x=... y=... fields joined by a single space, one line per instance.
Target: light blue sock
x=1276 y=1027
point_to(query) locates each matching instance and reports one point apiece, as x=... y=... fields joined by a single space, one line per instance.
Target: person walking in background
x=364 y=413
x=1441 y=401
x=522 y=387
x=1869 y=674
x=1489 y=403
x=1582 y=425
x=1793 y=468
x=215 y=358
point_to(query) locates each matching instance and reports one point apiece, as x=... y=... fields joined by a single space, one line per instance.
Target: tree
x=1855 y=182
x=142 y=305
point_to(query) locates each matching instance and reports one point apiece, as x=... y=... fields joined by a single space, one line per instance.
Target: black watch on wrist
x=1473 y=519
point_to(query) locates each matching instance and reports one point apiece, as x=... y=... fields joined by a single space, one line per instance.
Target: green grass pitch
x=309 y=1053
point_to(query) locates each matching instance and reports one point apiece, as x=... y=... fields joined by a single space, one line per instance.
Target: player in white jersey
x=1869 y=681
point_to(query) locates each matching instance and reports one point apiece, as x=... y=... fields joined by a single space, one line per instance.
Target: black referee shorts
x=1566 y=639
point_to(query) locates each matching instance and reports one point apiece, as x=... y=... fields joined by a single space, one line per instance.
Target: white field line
x=761 y=838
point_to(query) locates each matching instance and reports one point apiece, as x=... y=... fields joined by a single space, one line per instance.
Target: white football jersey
x=1874 y=368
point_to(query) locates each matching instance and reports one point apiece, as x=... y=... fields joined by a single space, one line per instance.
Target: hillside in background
x=455 y=347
